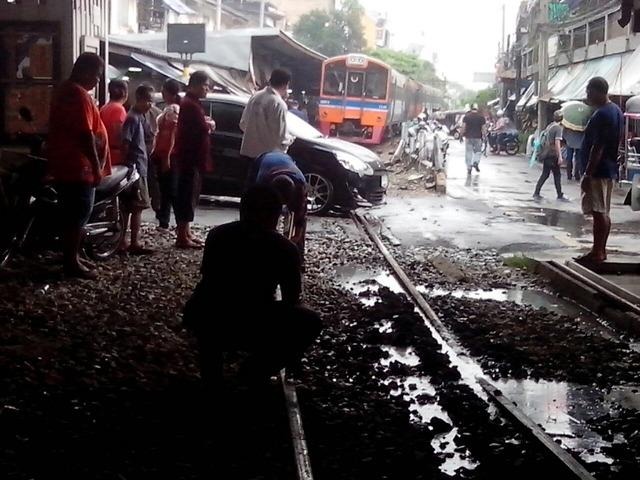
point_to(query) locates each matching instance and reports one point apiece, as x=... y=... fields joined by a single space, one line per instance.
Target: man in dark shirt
x=191 y=157
x=280 y=171
x=234 y=305
x=473 y=130
x=600 y=160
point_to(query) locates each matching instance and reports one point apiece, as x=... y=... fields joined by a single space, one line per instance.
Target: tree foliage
x=481 y=97
x=333 y=33
x=410 y=65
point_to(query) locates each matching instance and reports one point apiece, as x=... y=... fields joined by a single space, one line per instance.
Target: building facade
x=39 y=42
x=584 y=40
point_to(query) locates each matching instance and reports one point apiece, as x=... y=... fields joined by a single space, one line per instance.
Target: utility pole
x=504 y=16
x=262 y=7
x=219 y=16
x=543 y=62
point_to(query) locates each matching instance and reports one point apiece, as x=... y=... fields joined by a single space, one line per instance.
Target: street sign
x=558 y=12
x=186 y=38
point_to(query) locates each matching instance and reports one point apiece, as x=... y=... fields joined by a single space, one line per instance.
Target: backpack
x=538 y=146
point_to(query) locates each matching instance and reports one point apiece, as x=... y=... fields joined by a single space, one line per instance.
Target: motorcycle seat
x=118 y=173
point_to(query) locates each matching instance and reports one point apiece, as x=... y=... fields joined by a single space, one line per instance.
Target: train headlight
x=354 y=164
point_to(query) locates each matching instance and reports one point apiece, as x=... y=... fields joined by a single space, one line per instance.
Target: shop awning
x=526 y=97
x=179 y=7
x=628 y=81
x=159 y=65
x=225 y=79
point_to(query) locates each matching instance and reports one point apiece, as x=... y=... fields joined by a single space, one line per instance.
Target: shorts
x=596 y=197
x=76 y=203
x=136 y=197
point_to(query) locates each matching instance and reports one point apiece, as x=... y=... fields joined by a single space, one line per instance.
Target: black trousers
x=167 y=186
x=550 y=166
x=275 y=338
x=187 y=183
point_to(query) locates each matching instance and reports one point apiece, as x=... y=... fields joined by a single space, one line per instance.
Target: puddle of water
x=562 y=409
x=573 y=223
x=534 y=298
x=354 y=278
x=411 y=388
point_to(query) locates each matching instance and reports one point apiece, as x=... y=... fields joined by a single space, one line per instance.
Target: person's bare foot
x=139 y=249
x=193 y=238
x=188 y=244
x=79 y=271
x=591 y=258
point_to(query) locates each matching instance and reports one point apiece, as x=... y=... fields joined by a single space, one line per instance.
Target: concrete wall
x=77 y=19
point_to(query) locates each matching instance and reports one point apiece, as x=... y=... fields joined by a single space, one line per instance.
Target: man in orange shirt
x=78 y=153
x=113 y=116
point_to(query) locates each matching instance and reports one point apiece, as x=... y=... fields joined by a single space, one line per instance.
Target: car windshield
x=299 y=128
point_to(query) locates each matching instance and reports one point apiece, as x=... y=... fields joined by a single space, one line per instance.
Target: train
x=364 y=100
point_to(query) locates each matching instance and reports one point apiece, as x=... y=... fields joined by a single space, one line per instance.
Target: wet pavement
x=494 y=209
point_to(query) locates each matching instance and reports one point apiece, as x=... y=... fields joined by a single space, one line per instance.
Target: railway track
x=608 y=298
x=594 y=292
x=565 y=462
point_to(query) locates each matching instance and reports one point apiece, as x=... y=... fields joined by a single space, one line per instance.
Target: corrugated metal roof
x=179 y=7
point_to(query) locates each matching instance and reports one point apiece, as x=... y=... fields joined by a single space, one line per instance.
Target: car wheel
x=320 y=194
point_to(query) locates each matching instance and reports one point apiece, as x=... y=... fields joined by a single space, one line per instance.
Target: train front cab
x=354 y=102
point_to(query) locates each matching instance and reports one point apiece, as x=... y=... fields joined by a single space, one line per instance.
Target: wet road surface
x=494 y=209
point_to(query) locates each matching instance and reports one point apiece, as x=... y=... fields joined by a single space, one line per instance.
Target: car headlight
x=354 y=164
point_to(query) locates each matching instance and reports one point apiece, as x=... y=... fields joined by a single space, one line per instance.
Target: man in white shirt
x=264 y=122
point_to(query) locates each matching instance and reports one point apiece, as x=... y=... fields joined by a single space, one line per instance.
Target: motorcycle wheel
x=512 y=148
x=103 y=247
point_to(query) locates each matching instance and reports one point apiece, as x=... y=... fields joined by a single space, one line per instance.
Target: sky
x=463 y=33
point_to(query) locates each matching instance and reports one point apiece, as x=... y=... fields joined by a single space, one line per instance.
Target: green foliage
x=333 y=33
x=410 y=65
x=481 y=97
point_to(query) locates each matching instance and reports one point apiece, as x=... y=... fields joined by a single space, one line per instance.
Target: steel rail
x=569 y=463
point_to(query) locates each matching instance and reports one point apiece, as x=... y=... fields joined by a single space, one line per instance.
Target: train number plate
x=357 y=61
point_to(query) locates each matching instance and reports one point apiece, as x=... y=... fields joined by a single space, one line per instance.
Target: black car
x=340 y=174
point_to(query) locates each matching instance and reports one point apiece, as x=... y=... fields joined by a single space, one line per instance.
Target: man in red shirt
x=191 y=156
x=113 y=116
x=78 y=155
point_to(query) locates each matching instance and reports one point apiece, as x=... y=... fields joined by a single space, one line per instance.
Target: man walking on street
x=472 y=130
x=551 y=157
x=191 y=157
x=264 y=122
x=600 y=160
x=78 y=154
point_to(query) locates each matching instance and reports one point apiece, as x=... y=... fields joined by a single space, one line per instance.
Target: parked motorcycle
x=508 y=142
x=442 y=134
x=30 y=210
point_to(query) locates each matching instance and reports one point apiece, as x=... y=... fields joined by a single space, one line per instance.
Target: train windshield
x=376 y=82
x=335 y=75
x=355 y=84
